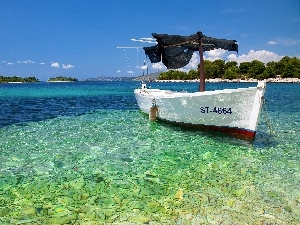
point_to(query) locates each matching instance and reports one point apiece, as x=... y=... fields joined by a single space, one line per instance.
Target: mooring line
x=267 y=118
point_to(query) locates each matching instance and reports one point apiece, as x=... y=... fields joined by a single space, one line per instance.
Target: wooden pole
x=202 y=78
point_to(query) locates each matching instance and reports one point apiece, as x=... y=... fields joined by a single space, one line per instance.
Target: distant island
x=108 y=79
x=147 y=78
x=62 y=79
x=16 y=79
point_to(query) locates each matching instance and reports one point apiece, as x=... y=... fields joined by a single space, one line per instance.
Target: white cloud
x=193 y=64
x=215 y=54
x=69 y=66
x=130 y=72
x=158 y=66
x=118 y=71
x=284 y=42
x=26 y=61
x=263 y=56
x=272 y=43
x=55 y=64
x=42 y=63
x=144 y=67
x=64 y=66
x=7 y=63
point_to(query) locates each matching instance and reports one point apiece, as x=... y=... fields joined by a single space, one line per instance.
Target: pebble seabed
x=67 y=174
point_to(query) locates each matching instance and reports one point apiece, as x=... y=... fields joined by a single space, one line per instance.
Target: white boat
x=232 y=111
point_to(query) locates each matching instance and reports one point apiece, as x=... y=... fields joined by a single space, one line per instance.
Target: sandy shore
x=270 y=80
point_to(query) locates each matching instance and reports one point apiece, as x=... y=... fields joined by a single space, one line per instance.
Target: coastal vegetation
x=287 y=67
x=63 y=79
x=16 y=79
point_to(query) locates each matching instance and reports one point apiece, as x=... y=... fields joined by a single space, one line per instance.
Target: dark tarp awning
x=175 y=51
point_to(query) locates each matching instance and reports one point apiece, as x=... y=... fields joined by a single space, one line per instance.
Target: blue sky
x=80 y=38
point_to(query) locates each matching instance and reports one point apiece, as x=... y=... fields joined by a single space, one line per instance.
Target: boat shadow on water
x=262 y=139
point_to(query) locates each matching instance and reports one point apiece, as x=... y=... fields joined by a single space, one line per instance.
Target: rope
x=130 y=70
x=267 y=118
x=186 y=42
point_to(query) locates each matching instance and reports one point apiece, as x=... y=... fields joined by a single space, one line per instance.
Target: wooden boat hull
x=232 y=111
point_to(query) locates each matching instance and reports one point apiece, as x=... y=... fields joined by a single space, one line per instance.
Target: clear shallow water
x=82 y=152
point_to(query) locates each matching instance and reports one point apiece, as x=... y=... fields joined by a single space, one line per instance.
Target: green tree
x=291 y=67
x=230 y=64
x=244 y=68
x=30 y=79
x=193 y=74
x=61 y=78
x=17 y=79
x=208 y=70
x=232 y=72
x=220 y=67
x=3 y=79
x=181 y=75
x=275 y=68
x=257 y=68
x=173 y=75
x=211 y=70
x=269 y=72
x=164 y=76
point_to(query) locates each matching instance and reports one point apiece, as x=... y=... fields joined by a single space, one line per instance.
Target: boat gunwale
x=169 y=93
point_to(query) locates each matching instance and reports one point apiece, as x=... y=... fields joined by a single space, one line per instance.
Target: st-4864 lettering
x=218 y=110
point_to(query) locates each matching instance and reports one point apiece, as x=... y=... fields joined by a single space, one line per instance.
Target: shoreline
x=251 y=80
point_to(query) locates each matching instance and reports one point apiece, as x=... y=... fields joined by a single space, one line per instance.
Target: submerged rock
x=239 y=192
x=23 y=222
x=58 y=164
x=28 y=211
x=152 y=207
x=203 y=198
x=288 y=208
x=78 y=183
x=59 y=209
x=4 y=211
x=137 y=205
x=85 y=196
x=179 y=194
x=230 y=202
x=139 y=219
x=59 y=220
x=108 y=212
x=272 y=194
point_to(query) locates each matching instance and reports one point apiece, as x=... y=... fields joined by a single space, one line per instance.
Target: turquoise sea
x=83 y=153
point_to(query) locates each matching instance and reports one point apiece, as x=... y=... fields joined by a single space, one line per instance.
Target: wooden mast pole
x=202 y=78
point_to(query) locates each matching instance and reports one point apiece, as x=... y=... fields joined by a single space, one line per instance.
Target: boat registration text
x=218 y=110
